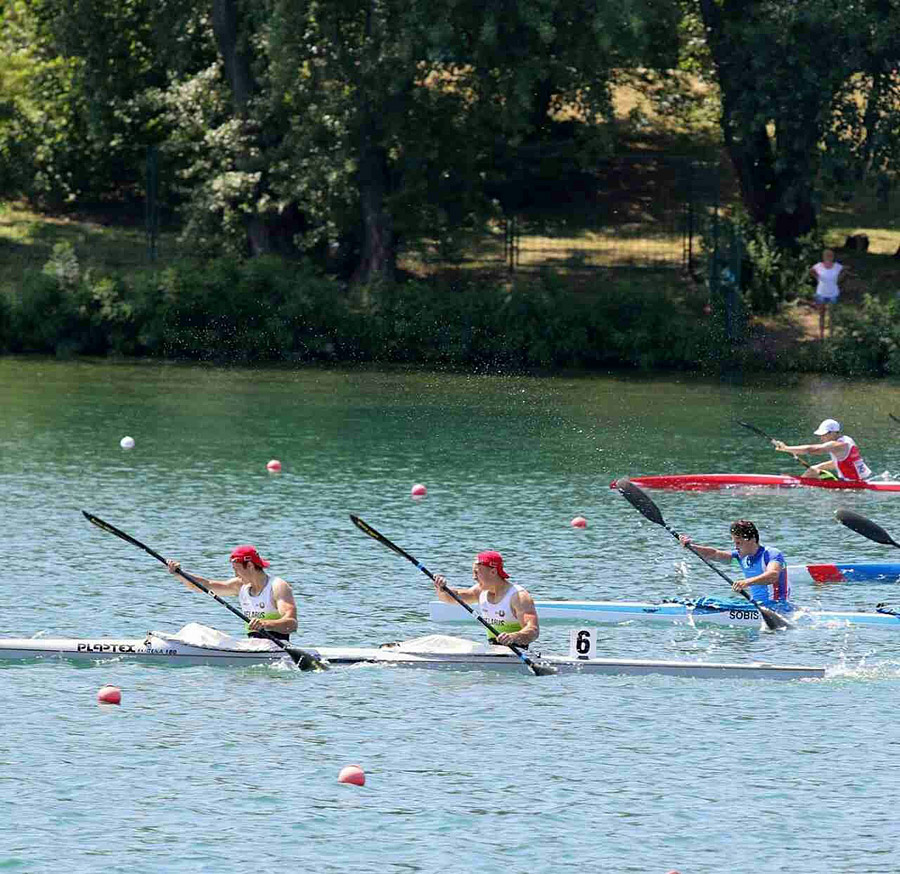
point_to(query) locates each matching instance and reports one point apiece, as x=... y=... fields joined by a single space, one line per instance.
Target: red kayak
x=706 y=482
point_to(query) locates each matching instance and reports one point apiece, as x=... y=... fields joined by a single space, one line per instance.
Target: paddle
x=894 y=418
x=641 y=501
x=304 y=659
x=537 y=670
x=823 y=474
x=864 y=526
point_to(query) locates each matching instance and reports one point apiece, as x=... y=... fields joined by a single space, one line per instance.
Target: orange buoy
x=419 y=491
x=109 y=695
x=579 y=522
x=352 y=774
x=273 y=466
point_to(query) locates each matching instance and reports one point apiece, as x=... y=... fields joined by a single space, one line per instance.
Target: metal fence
x=638 y=211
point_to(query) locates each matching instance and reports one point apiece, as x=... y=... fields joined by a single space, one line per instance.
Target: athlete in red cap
x=267 y=600
x=505 y=606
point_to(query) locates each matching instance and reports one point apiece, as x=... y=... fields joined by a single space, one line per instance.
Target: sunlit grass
x=27 y=239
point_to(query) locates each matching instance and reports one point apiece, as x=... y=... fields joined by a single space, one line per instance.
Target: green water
x=205 y=769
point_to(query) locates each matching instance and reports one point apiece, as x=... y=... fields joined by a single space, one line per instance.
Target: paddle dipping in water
x=245 y=556
x=642 y=502
x=763 y=566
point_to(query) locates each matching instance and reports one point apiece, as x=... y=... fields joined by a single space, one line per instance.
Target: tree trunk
x=226 y=20
x=226 y=27
x=378 y=259
x=774 y=175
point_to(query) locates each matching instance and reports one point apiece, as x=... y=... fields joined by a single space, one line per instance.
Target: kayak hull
x=845 y=572
x=674 y=613
x=162 y=649
x=704 y=482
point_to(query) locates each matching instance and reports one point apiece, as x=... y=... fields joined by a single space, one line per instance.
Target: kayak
x=706 y=611
x=433 y=651
x=701 y=482
x=845 y=572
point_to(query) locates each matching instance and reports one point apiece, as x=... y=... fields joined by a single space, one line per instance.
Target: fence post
x=152 y=201
x=511 y=243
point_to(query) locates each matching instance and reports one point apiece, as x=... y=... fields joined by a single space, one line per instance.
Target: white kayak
x=701 y=611
x=434 y=651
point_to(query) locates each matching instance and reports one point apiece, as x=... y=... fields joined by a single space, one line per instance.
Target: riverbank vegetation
x=226 y=182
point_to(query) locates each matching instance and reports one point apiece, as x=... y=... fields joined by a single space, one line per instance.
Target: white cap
x=827 y=426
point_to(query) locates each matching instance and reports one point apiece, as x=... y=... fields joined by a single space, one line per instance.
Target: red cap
x=494 y=560
x=248 y=553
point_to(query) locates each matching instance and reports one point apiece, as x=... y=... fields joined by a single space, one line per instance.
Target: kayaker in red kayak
x=845 y=458
x=765 y=569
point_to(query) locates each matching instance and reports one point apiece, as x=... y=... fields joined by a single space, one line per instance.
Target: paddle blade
x=543 y=670
x=866 y=527
x=754 y=429
x=307 y=660
x=774 y=620
x=375 y=535
x=105 y=526
x=640 y=500
x=111 y=529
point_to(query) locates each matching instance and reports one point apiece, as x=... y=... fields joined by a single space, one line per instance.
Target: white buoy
x=127 y=443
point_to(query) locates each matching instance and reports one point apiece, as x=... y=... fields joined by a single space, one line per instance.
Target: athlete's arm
x=705 y=551
x=220 y=587
x=769 y=577
x=286 y=606
x=470 y=595
x=526 y=613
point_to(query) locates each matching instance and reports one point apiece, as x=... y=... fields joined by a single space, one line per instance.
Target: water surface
x=205 y=769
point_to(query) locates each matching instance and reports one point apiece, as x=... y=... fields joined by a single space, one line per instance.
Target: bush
x=267 y=309
x=866 y=339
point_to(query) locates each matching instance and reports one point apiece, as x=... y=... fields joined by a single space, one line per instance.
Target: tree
x=414 y=103
x=791 y=76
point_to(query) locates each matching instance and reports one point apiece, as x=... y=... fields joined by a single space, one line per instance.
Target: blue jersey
x=754 y=565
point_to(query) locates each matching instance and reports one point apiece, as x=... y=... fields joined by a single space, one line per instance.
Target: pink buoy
x=109 y=695
x=579 y=522
x=273 y=466
x=419 y=491
x=352 y=774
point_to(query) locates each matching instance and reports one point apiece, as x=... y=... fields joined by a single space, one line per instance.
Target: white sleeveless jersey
x=261 y=606
x=500 y=616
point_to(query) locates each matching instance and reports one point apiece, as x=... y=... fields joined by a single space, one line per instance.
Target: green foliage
x=768 y=274
x=267 y=309
x=866 y=339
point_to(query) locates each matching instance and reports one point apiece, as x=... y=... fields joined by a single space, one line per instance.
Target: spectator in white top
x=827 y=274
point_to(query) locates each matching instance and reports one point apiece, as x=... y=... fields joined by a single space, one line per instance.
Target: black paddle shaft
x=301 y=657
x=824 y=474
x=538 y=670
x=641 y=501
x=756 y=430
